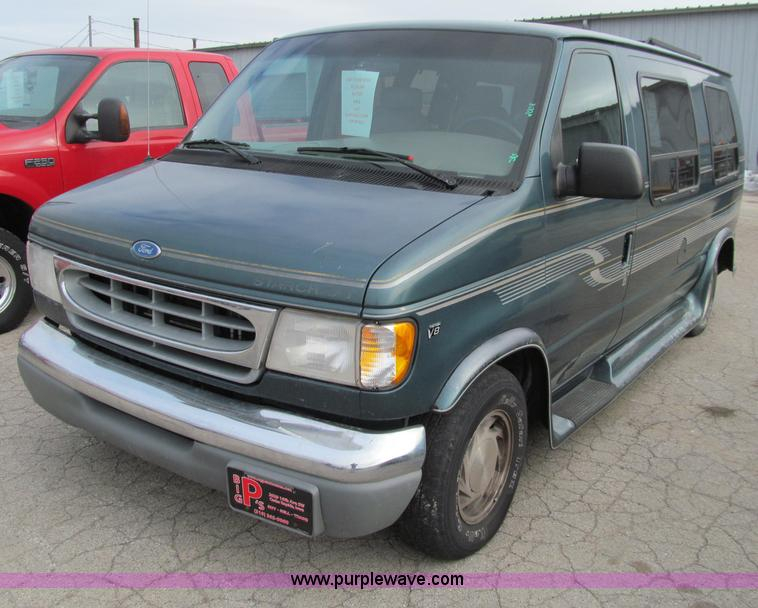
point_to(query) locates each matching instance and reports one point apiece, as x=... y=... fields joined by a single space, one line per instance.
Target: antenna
x=148 y=82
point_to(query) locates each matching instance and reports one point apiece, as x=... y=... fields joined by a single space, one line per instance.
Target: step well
x=614 y=372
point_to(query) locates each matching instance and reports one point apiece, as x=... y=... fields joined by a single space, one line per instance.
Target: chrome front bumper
x=344 y=458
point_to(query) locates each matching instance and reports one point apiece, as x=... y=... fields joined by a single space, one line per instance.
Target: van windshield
x=451 y=101
x=32 y=87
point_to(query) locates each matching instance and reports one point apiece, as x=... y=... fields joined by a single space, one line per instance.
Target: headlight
x=315 y=346
x=42 y=271
x=341 y=350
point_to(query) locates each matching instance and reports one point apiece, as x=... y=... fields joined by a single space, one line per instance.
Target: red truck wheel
x=15 y=290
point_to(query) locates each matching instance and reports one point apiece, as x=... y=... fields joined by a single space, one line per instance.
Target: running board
x=614 y=372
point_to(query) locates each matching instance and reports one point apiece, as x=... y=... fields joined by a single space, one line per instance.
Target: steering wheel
x=492 y=121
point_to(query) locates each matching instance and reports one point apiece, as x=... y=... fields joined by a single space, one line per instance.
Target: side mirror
x=602 y=171
x=112 y=119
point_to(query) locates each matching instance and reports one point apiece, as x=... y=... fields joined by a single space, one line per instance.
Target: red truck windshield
x=32 y=87
x=457 y=101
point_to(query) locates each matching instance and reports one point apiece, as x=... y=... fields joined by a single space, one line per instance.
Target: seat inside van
x=398 y=108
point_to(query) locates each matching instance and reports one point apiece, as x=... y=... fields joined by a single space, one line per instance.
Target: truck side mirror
x=601 y=171
x=112 y=119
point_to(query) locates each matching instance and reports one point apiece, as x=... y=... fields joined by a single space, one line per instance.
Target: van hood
x=262 y=235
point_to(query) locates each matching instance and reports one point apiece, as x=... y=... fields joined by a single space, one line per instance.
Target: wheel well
x=15 y=216
x=725 y=260
x=530 y=368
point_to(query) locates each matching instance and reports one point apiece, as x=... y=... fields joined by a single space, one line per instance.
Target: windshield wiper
x=235 y=147
x=18 y=119
x=403 y=159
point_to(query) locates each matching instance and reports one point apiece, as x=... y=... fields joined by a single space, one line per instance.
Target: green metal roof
x=237 y=47
x=689 y=10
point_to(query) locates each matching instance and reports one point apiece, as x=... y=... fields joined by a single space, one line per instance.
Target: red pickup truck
x=70 y=116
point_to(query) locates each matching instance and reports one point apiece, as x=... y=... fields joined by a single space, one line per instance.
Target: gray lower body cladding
x=350 y=499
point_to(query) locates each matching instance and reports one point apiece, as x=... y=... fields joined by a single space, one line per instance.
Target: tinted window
x=723 y=132
x=32 y=87
x=590 y=108
x=467 y=102
x=671 y=136
x=210 y=79
x=128 y=82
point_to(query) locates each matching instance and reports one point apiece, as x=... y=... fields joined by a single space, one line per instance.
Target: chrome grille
x=211 y=335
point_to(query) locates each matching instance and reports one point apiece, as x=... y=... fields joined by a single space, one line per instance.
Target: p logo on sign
x=251 y=490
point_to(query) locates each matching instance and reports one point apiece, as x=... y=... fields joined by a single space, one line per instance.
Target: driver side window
x=590 y=110
x=128 y=81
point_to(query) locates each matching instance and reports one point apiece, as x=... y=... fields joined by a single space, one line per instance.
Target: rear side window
x=210 y=79
x=723 y=132
x=127 y=81
x=671 y=136
x=590 y=110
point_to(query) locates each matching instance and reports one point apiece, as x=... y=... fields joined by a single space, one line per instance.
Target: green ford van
x=380 y=259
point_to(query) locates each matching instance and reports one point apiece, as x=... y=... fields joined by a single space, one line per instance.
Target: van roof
x=556 y=32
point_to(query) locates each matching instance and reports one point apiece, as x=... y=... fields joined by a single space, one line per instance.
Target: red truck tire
x=15 y=289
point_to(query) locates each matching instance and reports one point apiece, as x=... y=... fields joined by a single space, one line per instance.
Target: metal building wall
x=241 y=57
x=727 y=39
x=240 y=54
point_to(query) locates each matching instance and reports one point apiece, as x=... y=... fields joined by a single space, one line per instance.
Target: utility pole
x=194 y=43
x=136 y=32
x=89 y=29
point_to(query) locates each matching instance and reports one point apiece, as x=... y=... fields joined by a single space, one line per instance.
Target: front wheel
x=15 y=290
x=475 y=455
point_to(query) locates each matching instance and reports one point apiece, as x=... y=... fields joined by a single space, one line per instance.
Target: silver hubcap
x=484 y=469
x=7 y=284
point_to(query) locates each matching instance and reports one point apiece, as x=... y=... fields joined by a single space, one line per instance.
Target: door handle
x=626 y=257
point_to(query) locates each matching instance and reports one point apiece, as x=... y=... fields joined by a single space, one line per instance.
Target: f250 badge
x=433 y=330
x=39 y=163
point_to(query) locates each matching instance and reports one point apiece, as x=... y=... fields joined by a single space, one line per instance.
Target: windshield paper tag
x=358 y=89
x=15 y=87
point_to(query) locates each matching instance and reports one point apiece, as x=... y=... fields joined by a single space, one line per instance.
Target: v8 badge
x=433 y=330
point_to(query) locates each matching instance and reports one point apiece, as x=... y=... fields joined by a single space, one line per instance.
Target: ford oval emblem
x=147 y=250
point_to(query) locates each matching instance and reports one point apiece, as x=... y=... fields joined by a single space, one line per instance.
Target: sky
x=51 y=23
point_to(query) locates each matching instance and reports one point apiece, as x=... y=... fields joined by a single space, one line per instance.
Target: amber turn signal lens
x=386 y=353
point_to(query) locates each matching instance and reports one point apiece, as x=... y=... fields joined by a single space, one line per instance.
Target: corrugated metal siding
x=728 y=40
x=240 y=57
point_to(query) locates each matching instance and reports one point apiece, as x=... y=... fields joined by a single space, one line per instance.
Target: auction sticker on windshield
x=274 y=502
x=358 y=89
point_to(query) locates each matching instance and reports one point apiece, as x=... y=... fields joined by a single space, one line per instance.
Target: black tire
x=15 y=289
x=711 y=298
x=433 y=521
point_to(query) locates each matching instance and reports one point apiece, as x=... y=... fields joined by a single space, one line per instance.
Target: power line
x=26 y=41
x=117 y=37
x=83 y=39
x=153 y=32
x=75 y=35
